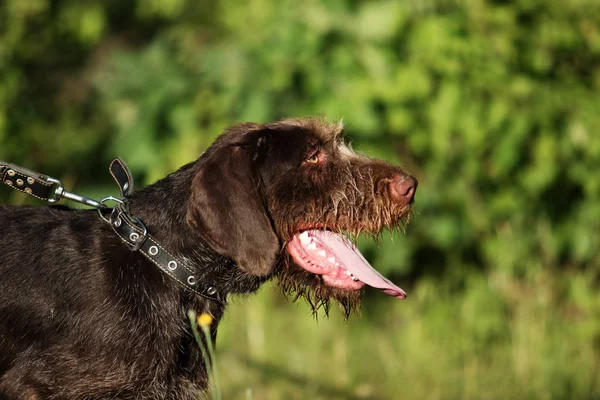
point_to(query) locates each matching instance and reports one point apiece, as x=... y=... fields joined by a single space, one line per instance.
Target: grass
x=495 y=338
x=201 y=328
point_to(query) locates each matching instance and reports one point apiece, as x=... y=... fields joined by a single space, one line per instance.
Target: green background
x=493 y=105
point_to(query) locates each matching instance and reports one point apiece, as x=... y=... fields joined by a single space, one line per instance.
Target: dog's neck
x=162 y=207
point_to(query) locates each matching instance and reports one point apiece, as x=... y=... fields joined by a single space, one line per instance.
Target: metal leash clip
x=61 y=193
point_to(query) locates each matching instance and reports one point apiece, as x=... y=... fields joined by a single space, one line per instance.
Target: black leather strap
x=132 y=234
x=119 y=171
x=27 y=181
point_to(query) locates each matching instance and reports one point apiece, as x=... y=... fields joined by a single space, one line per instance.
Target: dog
x=84 y=317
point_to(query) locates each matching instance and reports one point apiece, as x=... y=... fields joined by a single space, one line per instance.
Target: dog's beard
x=337 y=275
x=297 y=283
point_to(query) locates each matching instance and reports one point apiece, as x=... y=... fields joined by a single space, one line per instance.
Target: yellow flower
x=204 y=320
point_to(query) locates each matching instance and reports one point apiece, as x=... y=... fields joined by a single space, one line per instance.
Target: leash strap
x=27 y=181
x=130 y=229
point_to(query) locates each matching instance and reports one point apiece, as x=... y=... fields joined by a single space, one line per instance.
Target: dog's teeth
x=304 y=238
x=322 y=253
x=331 y=260
x=351 y=275
x=311 y=246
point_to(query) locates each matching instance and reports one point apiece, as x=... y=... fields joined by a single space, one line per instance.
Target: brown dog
x=83 y=317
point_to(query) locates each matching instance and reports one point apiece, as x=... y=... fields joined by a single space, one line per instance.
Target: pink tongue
x=349 y=255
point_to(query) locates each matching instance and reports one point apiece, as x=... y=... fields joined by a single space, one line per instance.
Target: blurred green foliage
x=493 y=105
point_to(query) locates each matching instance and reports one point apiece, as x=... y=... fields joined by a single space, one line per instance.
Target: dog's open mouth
x=337 y=260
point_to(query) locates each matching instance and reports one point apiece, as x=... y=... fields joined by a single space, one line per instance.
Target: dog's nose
x=404 y=187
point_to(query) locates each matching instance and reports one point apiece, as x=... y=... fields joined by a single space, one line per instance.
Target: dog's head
x=277 y=198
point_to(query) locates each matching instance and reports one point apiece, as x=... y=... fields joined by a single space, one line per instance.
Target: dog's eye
x=313 y=159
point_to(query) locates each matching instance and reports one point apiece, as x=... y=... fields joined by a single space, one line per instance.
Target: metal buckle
x=120 y=215
x=105 y=207
x=141 y=238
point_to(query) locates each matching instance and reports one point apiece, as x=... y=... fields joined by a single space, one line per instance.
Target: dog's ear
x=226 y=206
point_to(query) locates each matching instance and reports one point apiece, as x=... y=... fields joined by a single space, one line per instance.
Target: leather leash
x=130 y=229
